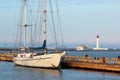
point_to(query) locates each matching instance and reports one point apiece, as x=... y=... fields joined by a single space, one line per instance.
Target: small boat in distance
x=28 y=58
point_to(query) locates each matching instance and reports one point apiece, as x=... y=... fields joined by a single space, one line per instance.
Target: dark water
x=8 y=71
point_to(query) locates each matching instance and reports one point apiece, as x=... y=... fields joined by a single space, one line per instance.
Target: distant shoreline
x=66 y=49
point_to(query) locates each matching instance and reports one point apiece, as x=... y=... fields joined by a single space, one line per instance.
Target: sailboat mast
x=25 y=25
x=45 y=34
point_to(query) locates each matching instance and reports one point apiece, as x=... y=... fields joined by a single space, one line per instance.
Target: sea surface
x=8 y=71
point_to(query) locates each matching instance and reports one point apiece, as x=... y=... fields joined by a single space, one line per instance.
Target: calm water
x=110 y=54
x=8 y=71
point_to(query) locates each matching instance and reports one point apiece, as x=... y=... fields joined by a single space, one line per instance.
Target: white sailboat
x=31 y=59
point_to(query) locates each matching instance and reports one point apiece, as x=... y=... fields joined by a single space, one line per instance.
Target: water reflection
x=95 y=75
x=37 y=73
x=97 y=72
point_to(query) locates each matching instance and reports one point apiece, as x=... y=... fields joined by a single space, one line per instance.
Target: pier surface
x=6 y=57
x=104 y=64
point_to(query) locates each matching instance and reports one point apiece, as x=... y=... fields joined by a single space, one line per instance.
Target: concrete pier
x=103 y=64
x=6 y=57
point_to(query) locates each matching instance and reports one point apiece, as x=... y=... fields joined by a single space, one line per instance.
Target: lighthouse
x=97 y=41
x=97 y=44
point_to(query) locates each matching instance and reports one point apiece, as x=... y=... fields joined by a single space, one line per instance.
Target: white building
x=81 y=47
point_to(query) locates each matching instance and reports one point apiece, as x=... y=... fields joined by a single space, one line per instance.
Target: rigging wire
x=30 y=22
x=50 y=29
x=60 y=25
x=16 y=36
x=19 y=28
x=40 y=22
x=35 y=18
x=35 y=28
x=54 y=29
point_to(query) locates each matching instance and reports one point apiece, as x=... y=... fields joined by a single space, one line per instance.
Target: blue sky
x=81 y=20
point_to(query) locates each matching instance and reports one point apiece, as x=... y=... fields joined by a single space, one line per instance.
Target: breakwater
x=6 y=57
x=103 y=64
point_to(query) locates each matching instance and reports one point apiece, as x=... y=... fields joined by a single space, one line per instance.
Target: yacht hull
x=40 y=61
